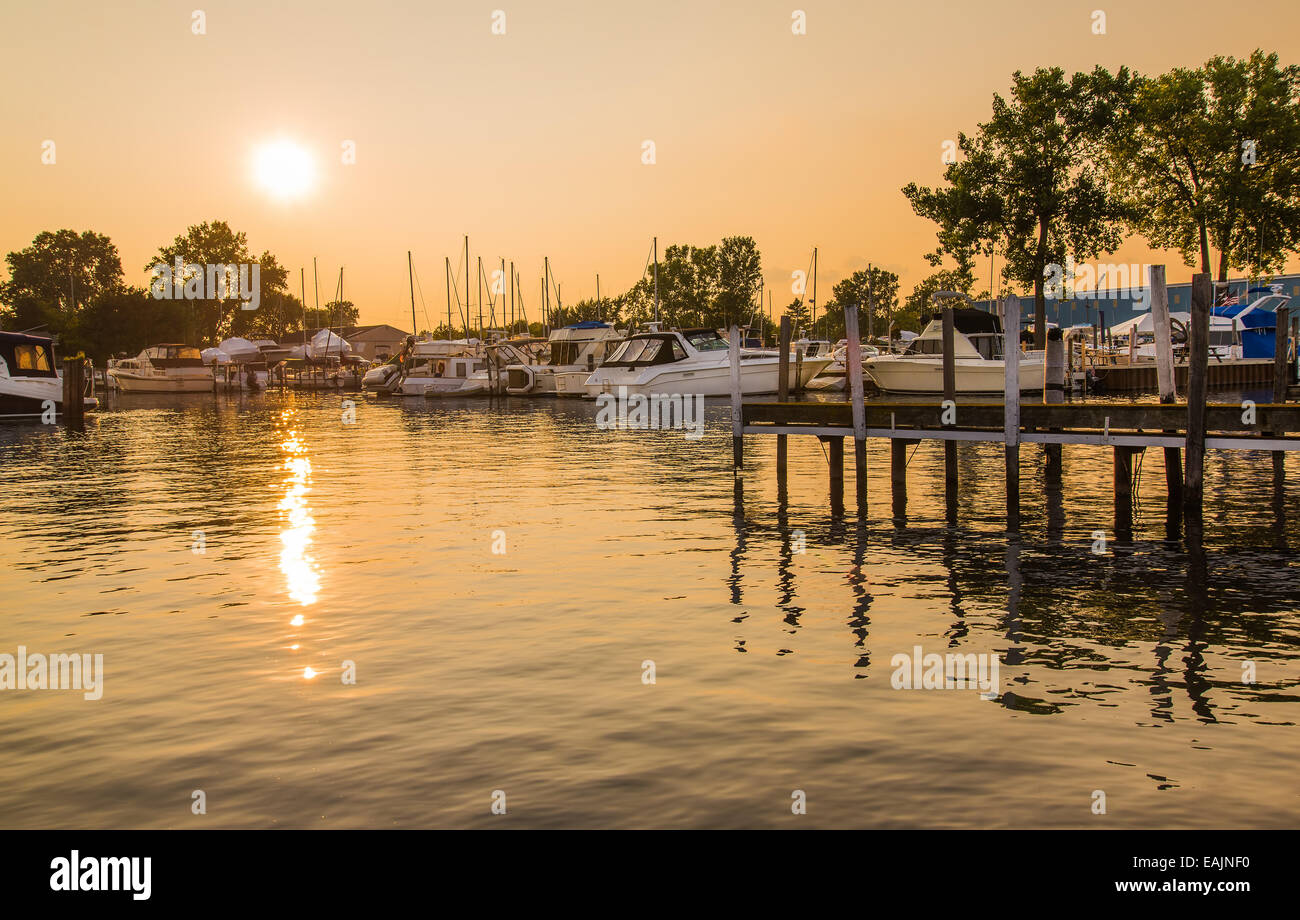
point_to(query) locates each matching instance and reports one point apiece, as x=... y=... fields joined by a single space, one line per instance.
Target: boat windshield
x=706 y=340
x=32 y=358
x=661 y=349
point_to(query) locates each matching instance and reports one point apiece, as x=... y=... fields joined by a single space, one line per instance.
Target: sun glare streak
x=301 y=575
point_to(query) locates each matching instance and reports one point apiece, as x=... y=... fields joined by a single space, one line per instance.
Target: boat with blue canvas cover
x=1256 y=320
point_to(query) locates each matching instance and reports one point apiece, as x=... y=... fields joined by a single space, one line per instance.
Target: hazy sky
x=531 y=142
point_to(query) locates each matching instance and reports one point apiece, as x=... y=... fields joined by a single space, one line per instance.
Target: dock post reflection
x=898 y=479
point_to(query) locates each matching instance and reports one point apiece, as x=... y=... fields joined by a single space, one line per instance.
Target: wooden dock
x=1183 y=429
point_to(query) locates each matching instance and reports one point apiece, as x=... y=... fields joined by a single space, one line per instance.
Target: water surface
x=770 y=619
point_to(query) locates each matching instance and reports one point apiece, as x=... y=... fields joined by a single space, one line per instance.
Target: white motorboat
x=977 y=358
x=576 y=349
x=442 y=368
x=162 y=369
x=691 y=361
x=30 y=382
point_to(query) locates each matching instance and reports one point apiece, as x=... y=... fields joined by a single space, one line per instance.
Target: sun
x=284 y=169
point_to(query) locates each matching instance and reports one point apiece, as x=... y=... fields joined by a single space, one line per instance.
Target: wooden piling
x=835 y=451
x=853 y=360
x=1011 y=402
x=1198 y=362
x=1053 y=393
x=783 y=387
x=898 y=478
x=1165 y=372
x=1124 y=491
x=1281 y=373
x=949 y=393
x=737 y=425
x=74 y=409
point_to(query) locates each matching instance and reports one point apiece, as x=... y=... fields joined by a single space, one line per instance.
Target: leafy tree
x=1033 y=182
x=918 y=306
x=54 y=278
x=739 y=280
x=1211 y=157
x=800 y=316
x=871 y=289
x=202 y=245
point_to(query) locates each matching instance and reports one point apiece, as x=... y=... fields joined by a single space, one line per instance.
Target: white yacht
x=977 y=358
x=29 y=378
x=688 y=362
x=576 y=350
x=443 y=368
x=162 y=369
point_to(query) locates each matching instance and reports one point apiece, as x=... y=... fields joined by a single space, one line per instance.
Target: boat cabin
x=976 y=334
x=27 y=355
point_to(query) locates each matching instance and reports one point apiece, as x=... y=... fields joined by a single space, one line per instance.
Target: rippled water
x=372 y=543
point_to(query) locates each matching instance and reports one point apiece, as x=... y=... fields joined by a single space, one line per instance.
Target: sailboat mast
x=479 y=279
x=512 y=296
x=546 y=291
x=656 y=245
x=302 y=278
x=446 y=271
x=467 y=288
x=410 y=276
x=814 y=297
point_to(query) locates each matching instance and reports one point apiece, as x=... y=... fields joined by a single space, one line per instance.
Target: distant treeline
x=72 y=285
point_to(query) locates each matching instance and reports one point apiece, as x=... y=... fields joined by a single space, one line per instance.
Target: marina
x=882 y=420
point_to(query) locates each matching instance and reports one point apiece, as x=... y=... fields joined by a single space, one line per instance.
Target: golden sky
x=531 y=141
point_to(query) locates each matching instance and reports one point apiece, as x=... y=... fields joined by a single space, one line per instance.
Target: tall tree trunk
x=1205 y=249
x=1223 y=265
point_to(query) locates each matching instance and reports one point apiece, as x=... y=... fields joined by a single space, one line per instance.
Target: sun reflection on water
x=300 y=572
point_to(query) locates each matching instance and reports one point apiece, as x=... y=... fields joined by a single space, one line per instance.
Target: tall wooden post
x=835 y=450
x=898 y=478
x=1281 y=372
x=783 y=387
x=737 y=423
x=1011 y=403
x=1054 y=393
x=1198 y=363
x=1165 y=373
x=949 y=394
x=853 y=357
x=1123 y=491
x=74 y=411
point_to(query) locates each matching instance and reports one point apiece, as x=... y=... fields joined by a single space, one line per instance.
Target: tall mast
x=656 y=279
x=512 y=295
x=302 y=277
x=467 y=288
x=600 y=307
x=503 y=298
x=446 y=271
x=479 y=279
x=410 y=276
x=814 y=297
